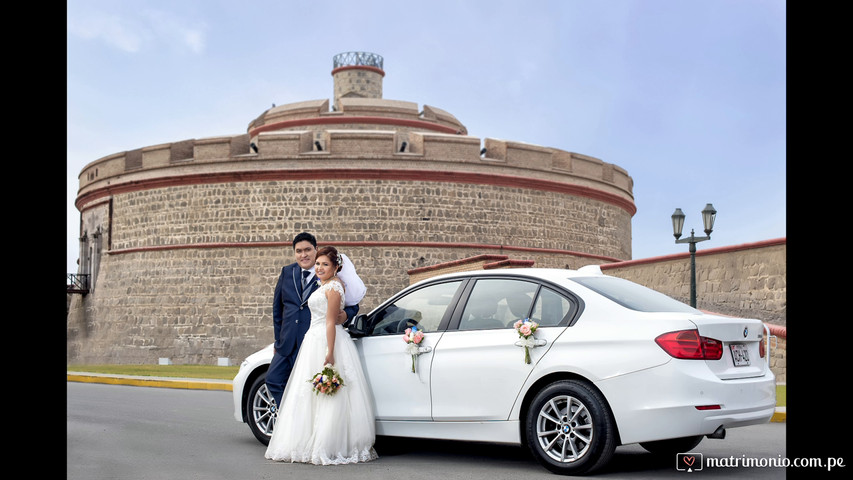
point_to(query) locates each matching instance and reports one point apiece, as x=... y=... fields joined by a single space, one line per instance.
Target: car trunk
x=741 y=340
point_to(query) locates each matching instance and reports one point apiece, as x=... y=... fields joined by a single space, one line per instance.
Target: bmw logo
x=745 y=331
x=566 y=429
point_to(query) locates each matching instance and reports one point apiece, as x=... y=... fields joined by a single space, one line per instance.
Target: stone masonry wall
x=367 y=210
x=190 y=272
x=284 y=151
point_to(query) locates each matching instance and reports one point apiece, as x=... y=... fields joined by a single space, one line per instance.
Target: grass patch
x=188 y=371
x=781 y=395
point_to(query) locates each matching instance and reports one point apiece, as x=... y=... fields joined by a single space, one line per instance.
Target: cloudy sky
x=687 y=96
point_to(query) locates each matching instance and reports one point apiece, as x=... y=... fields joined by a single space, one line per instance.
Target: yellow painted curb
x=141 y=382
x=780 y=415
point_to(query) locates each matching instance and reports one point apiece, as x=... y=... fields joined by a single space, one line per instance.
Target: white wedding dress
x=322 y=429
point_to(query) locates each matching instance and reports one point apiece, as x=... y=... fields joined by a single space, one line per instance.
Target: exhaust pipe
x=720 y=433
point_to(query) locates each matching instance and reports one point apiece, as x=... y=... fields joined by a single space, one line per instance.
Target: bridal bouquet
x=413 y=337
x=525 y=329
x=328 y=381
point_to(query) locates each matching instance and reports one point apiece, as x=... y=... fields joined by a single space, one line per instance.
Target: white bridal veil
x=355 y=288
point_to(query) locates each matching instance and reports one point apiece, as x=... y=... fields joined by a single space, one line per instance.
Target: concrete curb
x=203 y=384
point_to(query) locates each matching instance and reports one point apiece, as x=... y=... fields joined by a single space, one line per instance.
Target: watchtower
x=357 y=74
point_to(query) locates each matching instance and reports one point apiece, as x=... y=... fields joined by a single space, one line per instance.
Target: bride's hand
x=330 y=359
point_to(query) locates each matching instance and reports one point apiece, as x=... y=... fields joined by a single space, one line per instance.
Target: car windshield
x=634 y=296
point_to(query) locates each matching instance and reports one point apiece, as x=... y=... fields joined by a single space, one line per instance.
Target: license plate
x=740 y=355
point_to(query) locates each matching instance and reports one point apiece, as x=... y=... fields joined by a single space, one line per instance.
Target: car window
x=424 y=307
x=497 y=303
x=632 y=295
x=551 y=308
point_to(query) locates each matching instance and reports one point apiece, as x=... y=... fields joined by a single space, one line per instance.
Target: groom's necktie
x=304 y=292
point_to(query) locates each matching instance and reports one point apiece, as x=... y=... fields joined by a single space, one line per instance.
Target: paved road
x=126 y=432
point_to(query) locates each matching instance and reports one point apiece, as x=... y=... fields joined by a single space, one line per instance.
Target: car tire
x=260 y=410
x=569 y=428
x=672 y=446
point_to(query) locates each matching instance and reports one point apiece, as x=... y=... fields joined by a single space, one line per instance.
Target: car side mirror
x=358 y=327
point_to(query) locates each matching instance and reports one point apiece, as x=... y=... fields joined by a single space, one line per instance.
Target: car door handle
x=424 y=349
x=532 y=342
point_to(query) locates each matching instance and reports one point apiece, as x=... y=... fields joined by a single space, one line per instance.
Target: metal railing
x=78 y=283
x=357 y=58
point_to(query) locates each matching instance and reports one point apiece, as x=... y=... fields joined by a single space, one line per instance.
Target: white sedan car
x=611 y=363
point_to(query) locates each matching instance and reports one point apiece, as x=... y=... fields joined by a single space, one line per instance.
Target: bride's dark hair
x=334 y=257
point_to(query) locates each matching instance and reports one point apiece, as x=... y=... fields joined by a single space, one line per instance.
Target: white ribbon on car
x=413 y=349
x=531 y=342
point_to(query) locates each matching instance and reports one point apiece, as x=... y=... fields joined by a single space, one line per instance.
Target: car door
x=399 y=393
x=477 y=369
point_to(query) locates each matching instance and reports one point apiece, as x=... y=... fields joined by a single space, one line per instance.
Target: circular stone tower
x=184 y=241
x=357 y=75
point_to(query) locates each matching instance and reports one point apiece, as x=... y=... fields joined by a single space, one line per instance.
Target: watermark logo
x=689 y=462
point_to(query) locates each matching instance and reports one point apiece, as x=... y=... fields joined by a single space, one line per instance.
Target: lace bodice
x=318 y=303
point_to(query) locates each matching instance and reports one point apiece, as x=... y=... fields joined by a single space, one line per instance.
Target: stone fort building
x=181 y=243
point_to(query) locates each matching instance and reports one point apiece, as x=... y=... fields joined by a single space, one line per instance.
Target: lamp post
x=709 y=215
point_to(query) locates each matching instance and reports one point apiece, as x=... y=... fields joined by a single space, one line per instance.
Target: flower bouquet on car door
x=413 y=339
x=526 y=329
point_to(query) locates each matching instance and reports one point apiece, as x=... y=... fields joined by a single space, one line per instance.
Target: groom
x=290 y=313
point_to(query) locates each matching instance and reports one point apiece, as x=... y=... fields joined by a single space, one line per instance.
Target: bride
x=323 y=429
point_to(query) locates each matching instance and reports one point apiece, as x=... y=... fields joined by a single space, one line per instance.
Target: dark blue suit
x=291 y=319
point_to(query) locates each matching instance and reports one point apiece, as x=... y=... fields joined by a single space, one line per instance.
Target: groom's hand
x=342 y=317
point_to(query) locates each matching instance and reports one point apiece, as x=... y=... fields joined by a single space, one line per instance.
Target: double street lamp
x=708 y=217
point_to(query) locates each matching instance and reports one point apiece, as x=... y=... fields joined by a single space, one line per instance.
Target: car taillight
x=688 y=344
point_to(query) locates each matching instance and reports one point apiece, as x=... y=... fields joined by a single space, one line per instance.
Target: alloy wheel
x=264 y=411
x=564 y=429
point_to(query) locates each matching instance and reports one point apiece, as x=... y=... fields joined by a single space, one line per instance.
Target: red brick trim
x=480 y=246
x=337 y=120
x=359 y=67
x=777 y=330
x=363 y=174
x=454 y=263
x=699 y=253
x=509 y=263
x=102 y=201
